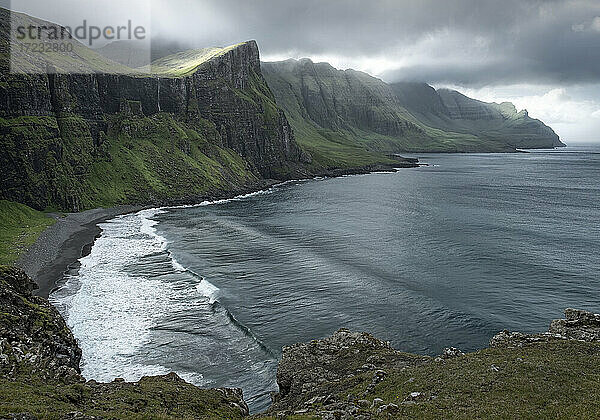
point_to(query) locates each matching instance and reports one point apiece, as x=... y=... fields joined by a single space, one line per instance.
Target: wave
x=128 y=285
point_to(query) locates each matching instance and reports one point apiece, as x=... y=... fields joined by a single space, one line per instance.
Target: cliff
x=450 y=110
x=341 y=111
x=75 y=141
x=345 y=376
x=355 y=375
x=344 y=118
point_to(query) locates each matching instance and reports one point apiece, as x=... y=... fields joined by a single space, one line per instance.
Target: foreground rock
x=349 y=375
x=34 y=339
x=354 y=375
x=40 y=376
x=317 y=373
x=577 y=325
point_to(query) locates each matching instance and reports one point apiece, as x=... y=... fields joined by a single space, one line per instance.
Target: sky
x=544 y=56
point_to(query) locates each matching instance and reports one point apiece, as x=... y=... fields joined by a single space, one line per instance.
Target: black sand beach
x=64 y=243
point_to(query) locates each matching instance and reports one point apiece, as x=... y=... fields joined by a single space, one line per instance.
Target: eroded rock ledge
x=354 y=375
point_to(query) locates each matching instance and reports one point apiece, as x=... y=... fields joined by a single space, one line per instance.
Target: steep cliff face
x=353 y=109
x=450 y=110
x=74 y=141
x=340 y=100
x=334 y=111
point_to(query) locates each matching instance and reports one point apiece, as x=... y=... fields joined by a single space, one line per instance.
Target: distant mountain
x=341 y=115
x=450 y=110
x=335 y=110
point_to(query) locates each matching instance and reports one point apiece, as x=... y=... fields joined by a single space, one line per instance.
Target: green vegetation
x=158 y=158
x=19 y=228
x=348 y=118
x=185 y=63
x=556 y=379
x=492 y=125
x=140 y=160
x=150 y=398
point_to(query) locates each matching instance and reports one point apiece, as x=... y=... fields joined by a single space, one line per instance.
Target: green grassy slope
x=185 y=63
x=140 y=160
x=549 y=379
x=158 y=158
x=150 y=398
x=19 y=228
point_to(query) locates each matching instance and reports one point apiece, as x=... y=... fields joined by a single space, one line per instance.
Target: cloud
x=470 y=42
x=541 y=46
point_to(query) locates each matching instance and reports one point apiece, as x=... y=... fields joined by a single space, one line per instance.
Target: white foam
x=176 y=266
x=111 y=311
x=207 y=289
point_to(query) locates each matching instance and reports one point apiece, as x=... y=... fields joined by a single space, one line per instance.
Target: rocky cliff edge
x=349 y=375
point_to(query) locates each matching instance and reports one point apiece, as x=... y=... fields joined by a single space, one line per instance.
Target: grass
x=185 y=63
x=157 y=158
x=20 y=226
x=150 y=398
x=559 y=379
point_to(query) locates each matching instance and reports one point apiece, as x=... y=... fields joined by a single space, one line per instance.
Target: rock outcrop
x=578 y=325
x=313 y=374
x=34 y=339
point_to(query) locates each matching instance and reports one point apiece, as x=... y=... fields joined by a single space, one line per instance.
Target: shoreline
x=63 y=243
x=73 y=235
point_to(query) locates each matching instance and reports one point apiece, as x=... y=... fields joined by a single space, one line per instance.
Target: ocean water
x=443 y=255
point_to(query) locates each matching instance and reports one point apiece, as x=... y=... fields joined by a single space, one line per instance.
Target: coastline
x=63 y=243
x=73 y=234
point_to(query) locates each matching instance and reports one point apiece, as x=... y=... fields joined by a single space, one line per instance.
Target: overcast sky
x=541 y=55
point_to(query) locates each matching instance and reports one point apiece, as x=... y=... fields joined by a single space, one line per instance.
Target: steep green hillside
x=350 y=114
x=203 y=124
x=19 y=228
x=452 y=111
x=355 y=116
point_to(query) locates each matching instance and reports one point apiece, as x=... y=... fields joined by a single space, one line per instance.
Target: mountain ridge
x=451 y=110
x=429 y=117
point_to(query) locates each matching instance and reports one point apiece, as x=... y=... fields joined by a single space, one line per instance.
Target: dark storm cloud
x=467 y=42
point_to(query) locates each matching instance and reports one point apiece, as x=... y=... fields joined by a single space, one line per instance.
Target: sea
x=447 y=254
